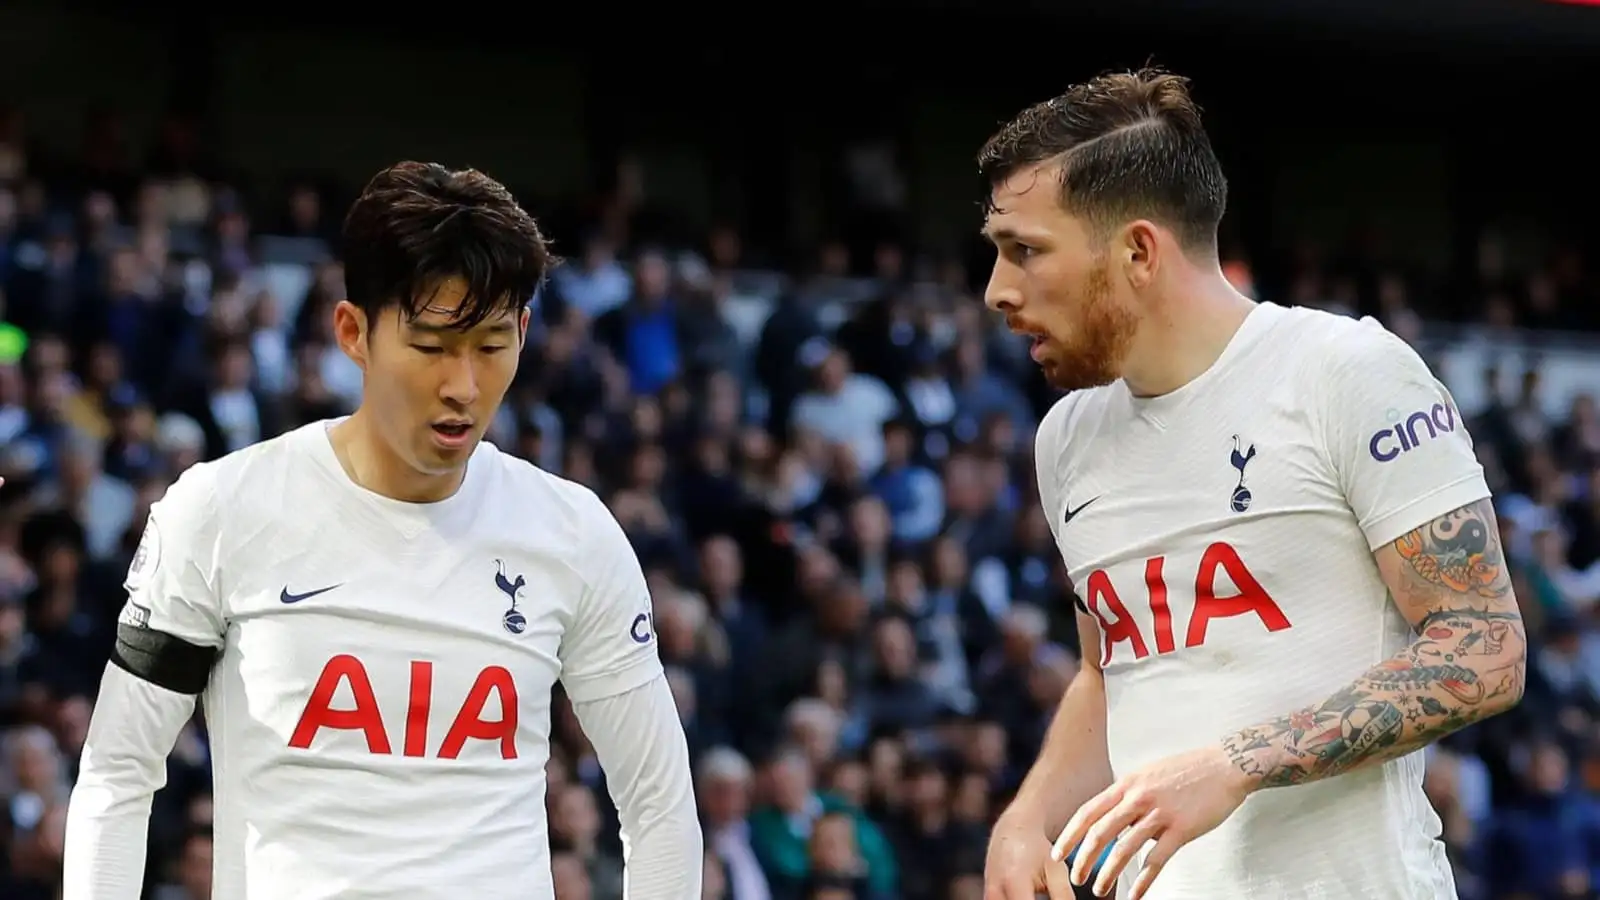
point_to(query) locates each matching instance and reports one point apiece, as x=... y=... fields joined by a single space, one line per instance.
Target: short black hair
x=417 y=224
x=1131 y=145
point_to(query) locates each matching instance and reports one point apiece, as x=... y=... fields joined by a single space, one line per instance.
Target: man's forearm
x=1073 y=764
x=1466 y=664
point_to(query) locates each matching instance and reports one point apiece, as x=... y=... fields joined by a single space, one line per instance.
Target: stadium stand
x=825 y=471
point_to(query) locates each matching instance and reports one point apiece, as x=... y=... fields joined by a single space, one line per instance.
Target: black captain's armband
x=161 y=659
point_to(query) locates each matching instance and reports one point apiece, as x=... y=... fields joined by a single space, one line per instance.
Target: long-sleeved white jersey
x=377 y=681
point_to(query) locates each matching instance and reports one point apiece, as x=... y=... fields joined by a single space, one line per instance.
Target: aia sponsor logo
x=487 y=714
x=1195 y=600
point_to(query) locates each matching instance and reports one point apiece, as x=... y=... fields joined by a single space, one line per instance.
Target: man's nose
x=460 y=385
x=1002 y=293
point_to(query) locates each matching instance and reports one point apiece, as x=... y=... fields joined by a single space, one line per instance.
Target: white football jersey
x=380 y=709
x=1222 y=536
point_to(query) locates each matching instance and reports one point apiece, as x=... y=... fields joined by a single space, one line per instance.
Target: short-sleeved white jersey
x=1222 y=536
x=380 y=709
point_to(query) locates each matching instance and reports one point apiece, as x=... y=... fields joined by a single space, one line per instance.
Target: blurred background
x=767 y=351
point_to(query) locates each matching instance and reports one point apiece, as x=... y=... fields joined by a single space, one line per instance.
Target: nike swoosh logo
x=1066 y=519
x=287 y=597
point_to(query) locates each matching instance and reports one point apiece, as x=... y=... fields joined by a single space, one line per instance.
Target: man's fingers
x=1154 y=862
x=1057 y=882
x=1010 y=886
x=1101 y=834
x=1021 y=888
x=1130 y=843
x=1086 y=815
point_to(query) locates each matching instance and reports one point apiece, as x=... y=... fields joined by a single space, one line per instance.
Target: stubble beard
x=1094 y=354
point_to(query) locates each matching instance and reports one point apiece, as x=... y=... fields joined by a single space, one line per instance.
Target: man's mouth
x=452 y=430
x=1017 y=327
x=1035 y=336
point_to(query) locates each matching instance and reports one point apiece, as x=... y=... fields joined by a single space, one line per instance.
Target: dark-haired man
x=375 y=611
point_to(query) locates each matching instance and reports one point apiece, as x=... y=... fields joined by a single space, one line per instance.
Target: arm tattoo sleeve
x=1466 y=663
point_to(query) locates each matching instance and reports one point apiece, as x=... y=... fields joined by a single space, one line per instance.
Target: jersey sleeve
x=610 y=645
x=1393 y=435
x=124 y=762
x=171 y=627
x=639 y=740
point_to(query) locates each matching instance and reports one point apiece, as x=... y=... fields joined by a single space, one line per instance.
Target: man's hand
x=1171 y=802
x=1019 y=866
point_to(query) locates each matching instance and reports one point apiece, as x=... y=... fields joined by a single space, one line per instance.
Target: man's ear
x=522 y=327
x=1140 y=249
x=352 y=332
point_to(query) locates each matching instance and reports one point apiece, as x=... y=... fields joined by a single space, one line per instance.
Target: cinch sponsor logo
x=643 y=627
x=1412 y=431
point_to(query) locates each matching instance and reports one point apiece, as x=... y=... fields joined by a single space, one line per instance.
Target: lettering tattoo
x=1467 y=662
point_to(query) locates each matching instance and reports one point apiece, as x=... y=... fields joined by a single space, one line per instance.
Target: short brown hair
x=417 y=224
x=1131 y=145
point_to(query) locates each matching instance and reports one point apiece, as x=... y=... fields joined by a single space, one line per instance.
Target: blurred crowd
x=826 y=474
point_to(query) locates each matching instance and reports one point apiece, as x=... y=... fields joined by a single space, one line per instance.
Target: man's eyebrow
x=436 y=328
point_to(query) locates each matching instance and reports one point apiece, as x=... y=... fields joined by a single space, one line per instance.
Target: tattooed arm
x=1467 y=663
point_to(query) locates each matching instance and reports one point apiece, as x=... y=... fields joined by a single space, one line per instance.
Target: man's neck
x=1184 y=335
x=372 y=465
